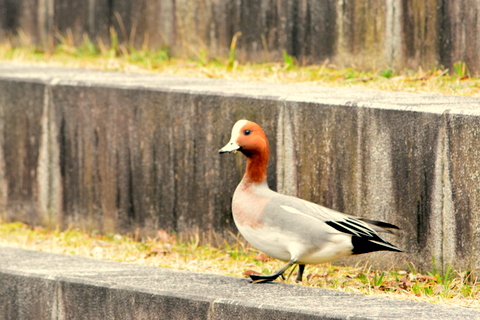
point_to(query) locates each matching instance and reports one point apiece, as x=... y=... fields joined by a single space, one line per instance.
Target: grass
x=240 y=260
x=121 y=57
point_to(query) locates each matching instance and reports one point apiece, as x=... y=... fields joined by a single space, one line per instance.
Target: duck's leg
x=259 y=278
x=301 y=268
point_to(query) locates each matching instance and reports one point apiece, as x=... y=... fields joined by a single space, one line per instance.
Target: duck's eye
x=247 y=132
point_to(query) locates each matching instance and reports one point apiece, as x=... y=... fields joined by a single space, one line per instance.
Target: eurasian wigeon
x=288 y=228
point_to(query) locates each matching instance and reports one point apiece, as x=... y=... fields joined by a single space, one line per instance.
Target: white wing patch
x=296 y=211
x=327 y=214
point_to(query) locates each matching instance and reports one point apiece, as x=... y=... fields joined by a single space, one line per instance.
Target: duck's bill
x=229 y=147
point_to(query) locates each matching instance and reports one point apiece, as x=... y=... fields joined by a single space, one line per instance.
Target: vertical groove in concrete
x=448 y=210
x=442 y=211
x=359 y=155
x=286 y=156
x=393 y=40
x=48 y=168
x=3 y=178
x=375 y=157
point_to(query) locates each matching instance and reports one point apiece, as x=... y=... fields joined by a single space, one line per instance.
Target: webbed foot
x=261 y=278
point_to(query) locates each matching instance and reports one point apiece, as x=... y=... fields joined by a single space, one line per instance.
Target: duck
x=287 y=228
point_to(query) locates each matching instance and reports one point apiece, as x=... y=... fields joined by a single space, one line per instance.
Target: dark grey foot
x=301 y=268
x=261 y=278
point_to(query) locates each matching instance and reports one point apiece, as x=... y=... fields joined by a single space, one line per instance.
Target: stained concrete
x=125 y=152
x=36 y=285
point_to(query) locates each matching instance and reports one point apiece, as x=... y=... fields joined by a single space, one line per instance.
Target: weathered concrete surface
x=367 y=34
x=21 y=117
x=120 y=152
x=36 y=285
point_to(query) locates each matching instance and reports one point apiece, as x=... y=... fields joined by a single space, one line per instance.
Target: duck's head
x=248 y=138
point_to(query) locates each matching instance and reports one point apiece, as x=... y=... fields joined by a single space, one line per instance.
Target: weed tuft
x=388 y=73
x=461 y=69
x=288 y=61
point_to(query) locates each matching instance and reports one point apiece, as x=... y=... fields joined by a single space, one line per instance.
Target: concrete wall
x=366 y=34
x=117 y=152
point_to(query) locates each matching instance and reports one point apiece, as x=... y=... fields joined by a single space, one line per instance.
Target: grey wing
x=304 y=213
x=341 y=222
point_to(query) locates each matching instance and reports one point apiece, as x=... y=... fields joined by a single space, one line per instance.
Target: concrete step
x=37 y=285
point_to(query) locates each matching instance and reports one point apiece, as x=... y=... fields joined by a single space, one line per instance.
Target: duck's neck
x=256 y=171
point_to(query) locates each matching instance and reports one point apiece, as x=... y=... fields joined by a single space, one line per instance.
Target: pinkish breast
x=248 y=207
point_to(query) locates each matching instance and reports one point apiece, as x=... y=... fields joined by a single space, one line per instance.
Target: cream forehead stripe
x=237 y=129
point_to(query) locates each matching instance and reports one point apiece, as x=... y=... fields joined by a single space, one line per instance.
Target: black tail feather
x=365 y=245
